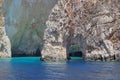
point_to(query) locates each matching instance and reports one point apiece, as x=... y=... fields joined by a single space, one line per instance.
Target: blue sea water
x=31 y=68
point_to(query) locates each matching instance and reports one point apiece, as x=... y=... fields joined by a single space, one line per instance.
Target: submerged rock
x=93 y=25
x=5 y=45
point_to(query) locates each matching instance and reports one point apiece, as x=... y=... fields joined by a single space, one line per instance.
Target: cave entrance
x=74 y=52
x=75 y=46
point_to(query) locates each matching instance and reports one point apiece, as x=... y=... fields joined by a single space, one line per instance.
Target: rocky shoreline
x=91 y=27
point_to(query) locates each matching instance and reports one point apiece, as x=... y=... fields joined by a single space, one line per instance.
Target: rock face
x=25 y=23
x=5 y=46
x=91 y=25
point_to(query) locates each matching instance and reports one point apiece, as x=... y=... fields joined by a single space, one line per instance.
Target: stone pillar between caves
x=54 y=53
x=5 y=45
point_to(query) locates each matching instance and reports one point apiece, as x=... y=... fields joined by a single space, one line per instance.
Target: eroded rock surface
x=92 y=25
x=5 y=45
x=25 y=24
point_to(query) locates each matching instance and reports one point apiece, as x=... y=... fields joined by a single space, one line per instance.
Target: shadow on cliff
x=34 y=54
x=76 y=54
x=76 y=46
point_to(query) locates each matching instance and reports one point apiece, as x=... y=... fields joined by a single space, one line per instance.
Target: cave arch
x=74 y=51
x=25 y=24
x=75 y=46
x=87 y=23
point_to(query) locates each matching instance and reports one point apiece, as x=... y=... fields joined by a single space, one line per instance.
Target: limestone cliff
x=25 y=23
x=5 y=46
x=91 y=25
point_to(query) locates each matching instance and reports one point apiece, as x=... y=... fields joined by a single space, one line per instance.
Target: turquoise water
x=30 y=68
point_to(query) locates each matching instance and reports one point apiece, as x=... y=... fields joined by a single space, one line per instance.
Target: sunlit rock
x=5 y=45
x=92 y=25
